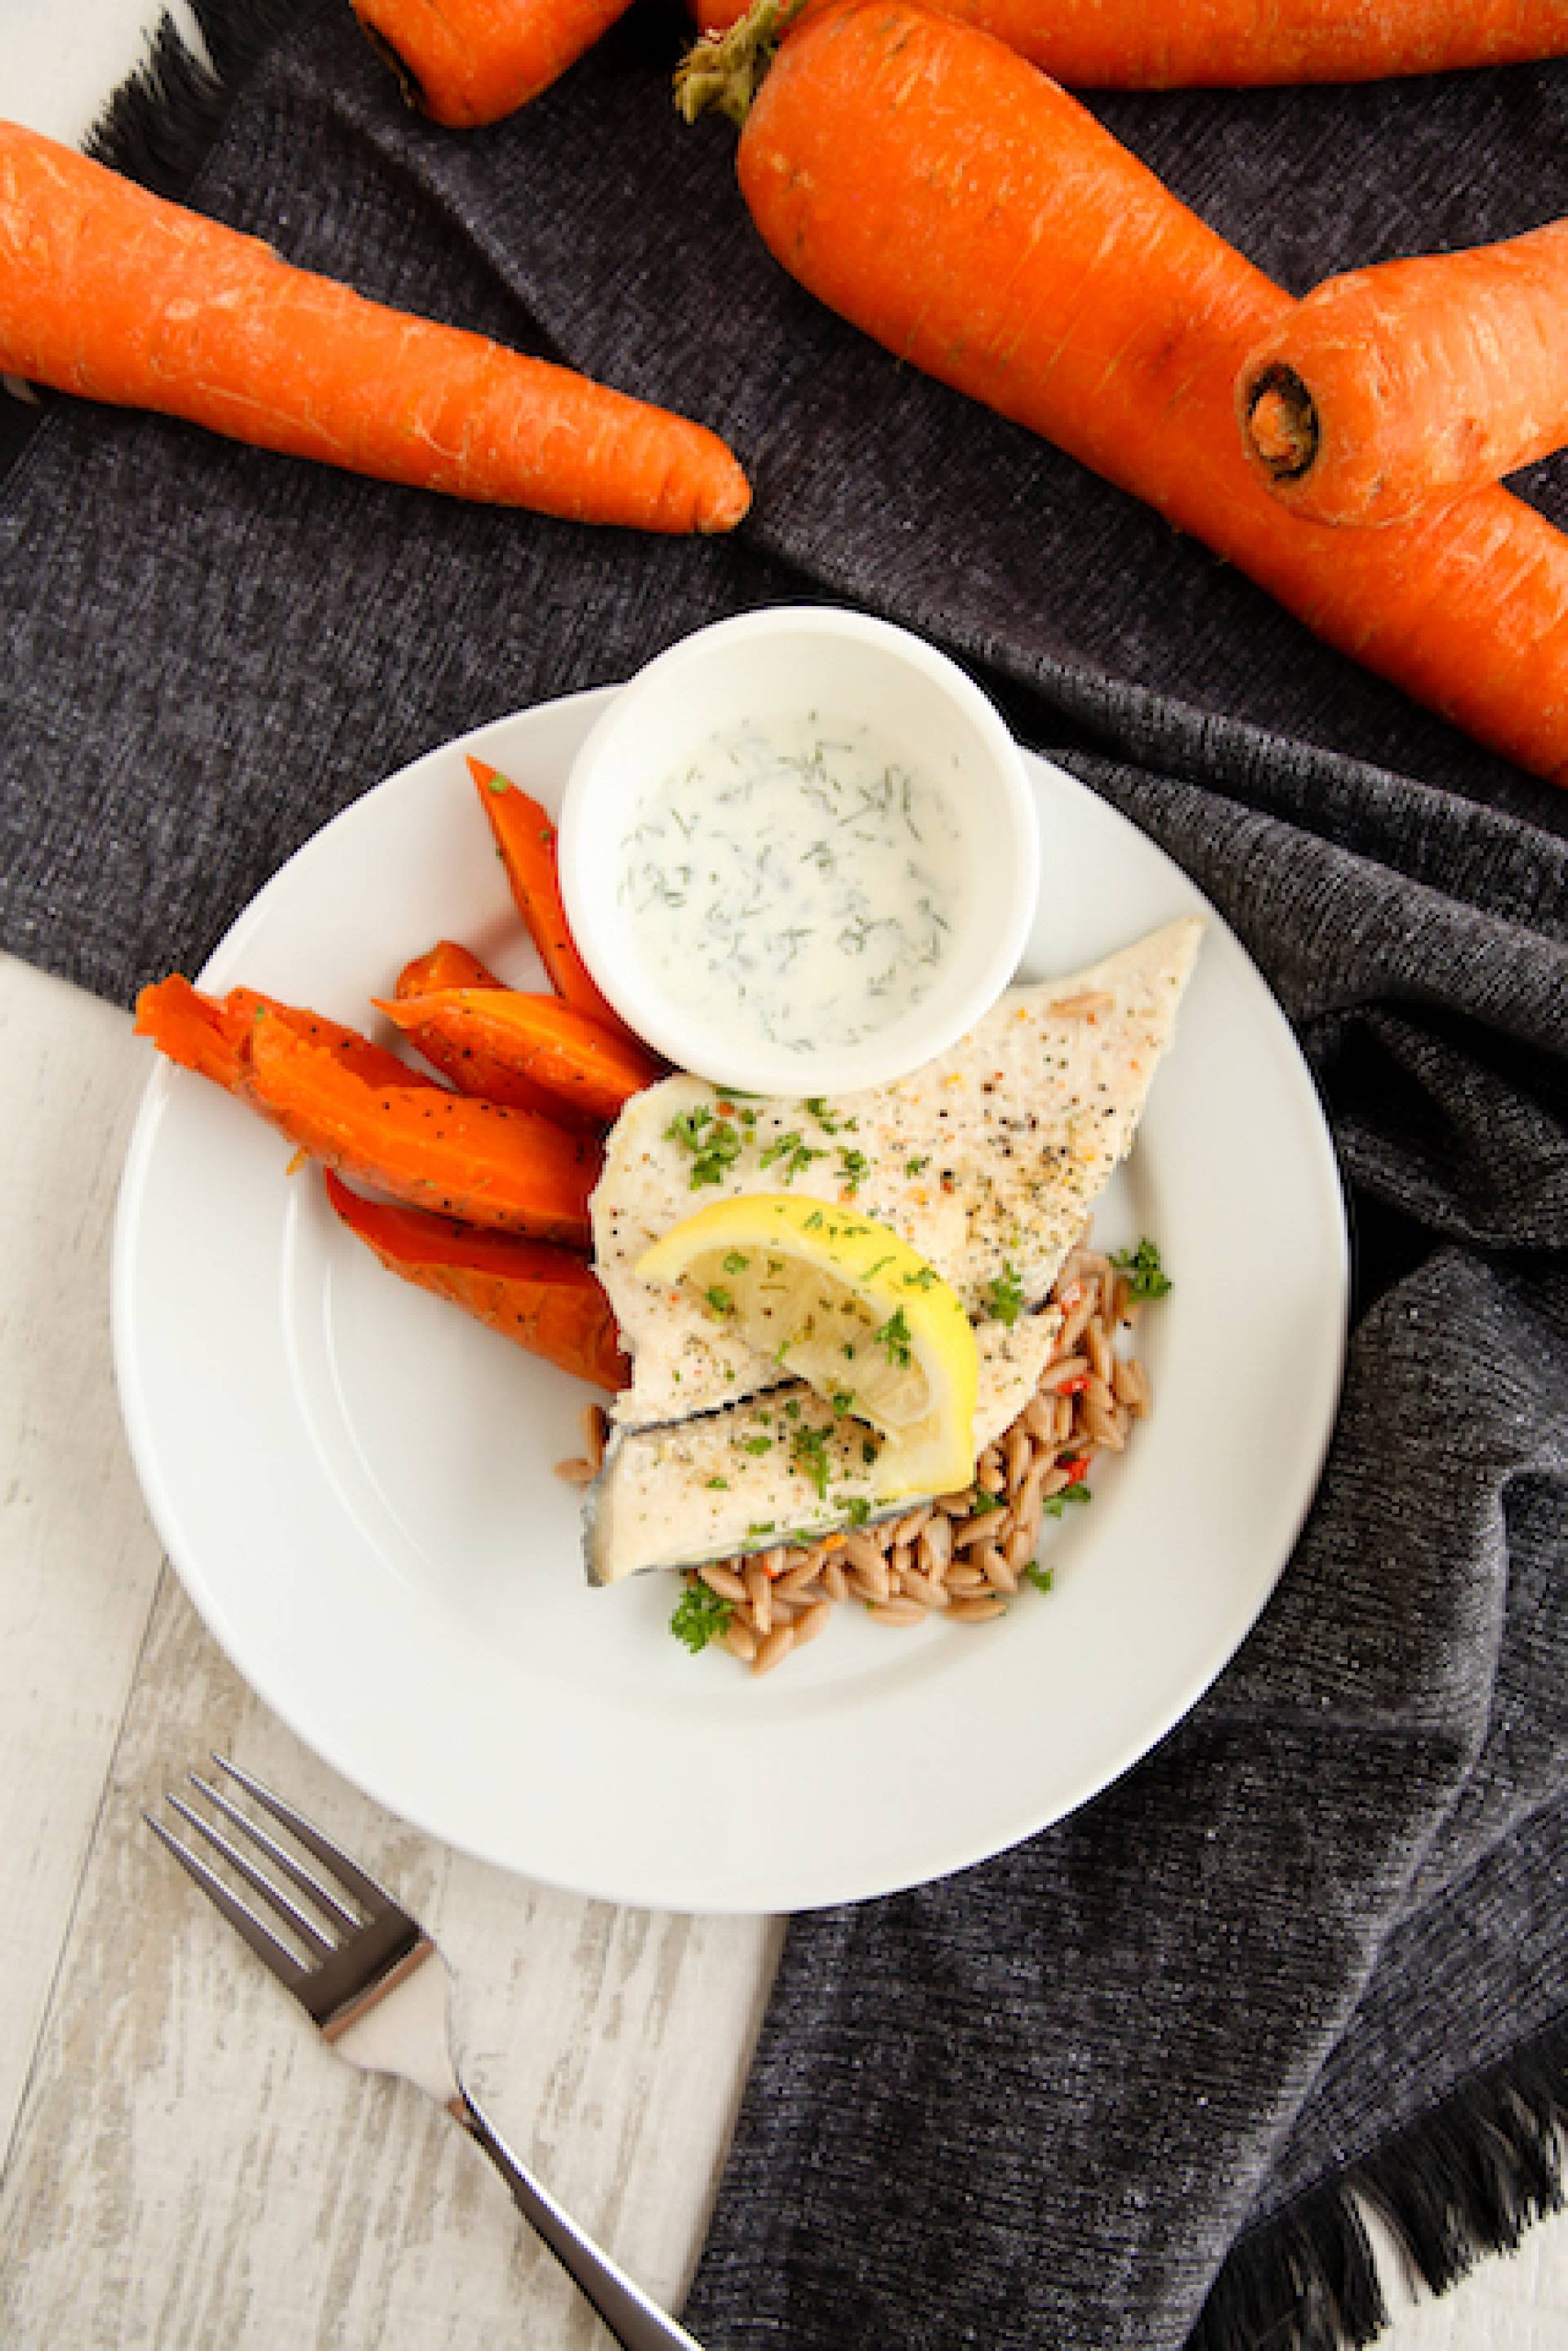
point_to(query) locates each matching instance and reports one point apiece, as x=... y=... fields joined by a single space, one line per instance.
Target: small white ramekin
x=776 y=663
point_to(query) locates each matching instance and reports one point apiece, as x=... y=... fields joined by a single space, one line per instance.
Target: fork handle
x=636 y=2322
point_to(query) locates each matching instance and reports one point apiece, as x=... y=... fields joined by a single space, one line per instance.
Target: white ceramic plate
x=354 y=1480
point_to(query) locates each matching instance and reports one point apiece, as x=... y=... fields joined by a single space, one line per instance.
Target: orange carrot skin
x=1426 y=377
x=594 y=1067
x=1234 y=43
x=422 y=1146
x=467 y=1066
x=466 y=62
x=540 y=1297
x=925 y=182
x=446 y=965
x=111 y=292
x=526 y=836
x=207 y=1034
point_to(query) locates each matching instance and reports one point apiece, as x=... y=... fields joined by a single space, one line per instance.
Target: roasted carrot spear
x=467 y=1065
x=421 y=1145
x=541 y=1297
x=925 y=182
x=207 y=1033
x=526 y=836
x=596 y=1069
x=1407 y=384
x=111 y=292
x=464 y=62
x=1232 y=44
x=446 y=965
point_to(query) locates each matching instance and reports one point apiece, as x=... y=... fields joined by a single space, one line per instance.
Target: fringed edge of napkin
x=160 y=125
x=1467 y=2180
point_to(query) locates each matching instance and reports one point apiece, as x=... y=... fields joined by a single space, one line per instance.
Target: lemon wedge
x=847 y=1306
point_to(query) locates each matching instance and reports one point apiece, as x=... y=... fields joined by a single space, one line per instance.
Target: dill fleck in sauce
x=798 y=882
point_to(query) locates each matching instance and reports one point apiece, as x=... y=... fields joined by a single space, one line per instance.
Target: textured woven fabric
x=1112 y=2087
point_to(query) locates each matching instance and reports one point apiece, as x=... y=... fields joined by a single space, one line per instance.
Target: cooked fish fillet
x=774 y=1467
x=986 y=1160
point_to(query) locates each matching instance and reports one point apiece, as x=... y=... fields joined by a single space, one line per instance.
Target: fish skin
x=1019 y=1127
x=629 y=1520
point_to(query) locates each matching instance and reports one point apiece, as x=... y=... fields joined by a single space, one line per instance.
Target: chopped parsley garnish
x=916 y=1166
x=808 y=1451
x=720 y=1485
x=854 y=1167
x=700 y=1616
x=894 y=1335
x=923 y=1280
x=719 y=1299
x=761 y=1526
x=687 y=1126
x=795 y=1154
x=735 y=1262
x=855 y=1508
x=817 y=1104
x=756 y=1444
x=714 y=1145
x=1006 y=1295
x=1040 y=1577
x=843 y=1400
x=868 y=1451
x=1142 y=1267
x=983 y=1502
x=1077 y=1492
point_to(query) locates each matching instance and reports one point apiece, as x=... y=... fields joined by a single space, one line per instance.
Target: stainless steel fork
x=378 y=1988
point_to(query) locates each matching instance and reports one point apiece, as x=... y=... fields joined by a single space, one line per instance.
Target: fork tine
x=270 y=1894
x=308 y=1882
x=262 y=1942
x=363 y=1887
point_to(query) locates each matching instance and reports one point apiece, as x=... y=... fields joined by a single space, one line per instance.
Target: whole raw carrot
x=598 y=1069
x=111 y=292
x=540 y=1297
x=925 y=182
x=1232 y=43
x=421 y=1145
x=464 y=62
x=1405 y=385
x=526 y=836
x=207 y=1034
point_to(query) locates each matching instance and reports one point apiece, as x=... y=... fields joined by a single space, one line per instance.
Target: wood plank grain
x=191 y=2166
x=79 y=1562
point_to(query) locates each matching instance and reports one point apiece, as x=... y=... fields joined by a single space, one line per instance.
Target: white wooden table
x=183 y=2164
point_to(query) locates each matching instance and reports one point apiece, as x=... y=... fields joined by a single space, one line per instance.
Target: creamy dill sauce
x=798 y=881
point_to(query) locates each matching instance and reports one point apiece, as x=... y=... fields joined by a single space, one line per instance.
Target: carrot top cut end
x=1282 y=423
x=725 y=71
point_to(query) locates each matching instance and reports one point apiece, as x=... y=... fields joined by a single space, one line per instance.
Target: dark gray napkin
x=1121 y=2083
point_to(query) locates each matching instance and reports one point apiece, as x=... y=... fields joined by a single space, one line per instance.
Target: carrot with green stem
x=928 y=184
x=1234 y=43
x=467 y=62
x=533 y=1293
x=114 y=294
x=1410 y=384
x=594 y=1069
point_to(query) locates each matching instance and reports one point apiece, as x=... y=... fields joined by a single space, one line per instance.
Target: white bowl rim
x=1007 y=910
